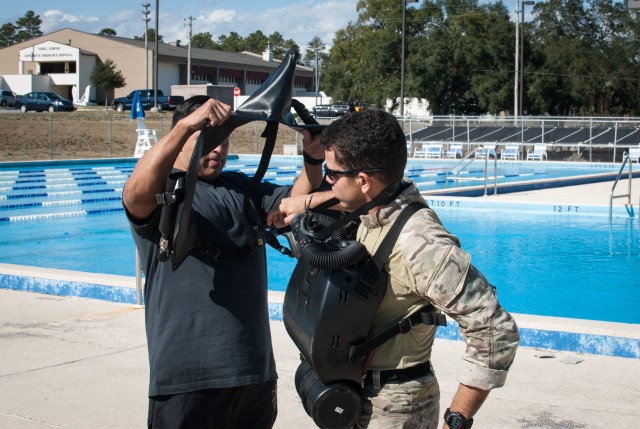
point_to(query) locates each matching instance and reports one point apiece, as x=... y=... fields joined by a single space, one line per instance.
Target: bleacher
x=560 y=134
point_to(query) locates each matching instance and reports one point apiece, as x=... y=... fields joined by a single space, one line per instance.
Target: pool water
x=541 y=264
x=69 y=216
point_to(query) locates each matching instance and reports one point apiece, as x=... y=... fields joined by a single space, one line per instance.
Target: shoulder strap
x=425 y=315
x=375 y=265
x=270 y=133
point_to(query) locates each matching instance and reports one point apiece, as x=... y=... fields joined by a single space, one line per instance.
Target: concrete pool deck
x=78 y=363
x=82 y=364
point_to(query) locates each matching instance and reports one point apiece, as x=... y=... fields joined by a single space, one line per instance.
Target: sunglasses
x=331 y=174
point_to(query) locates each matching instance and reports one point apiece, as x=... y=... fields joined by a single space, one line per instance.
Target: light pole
x=190 y=24
x=146 y=44
x=316 y=76
x=155 y=59
x=404 y=23
x=524 y=3
x=519 y=63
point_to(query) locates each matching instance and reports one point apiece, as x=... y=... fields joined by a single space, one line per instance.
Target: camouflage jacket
x=427 y=266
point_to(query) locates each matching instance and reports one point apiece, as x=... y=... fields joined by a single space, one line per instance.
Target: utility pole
x=155 y=57
x=516 y=79
x=316 y=76
x=146 y=44
x=518 y=85
x=404 y=21
x=521 y=97
x=189 y=23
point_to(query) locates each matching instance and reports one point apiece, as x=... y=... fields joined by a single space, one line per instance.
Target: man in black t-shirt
x=210 y=353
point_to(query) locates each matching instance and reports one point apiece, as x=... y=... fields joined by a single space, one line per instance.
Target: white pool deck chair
x=429 y=150
x=510 y=152
x=453 y=151
x=634 y=154
x=146 y=138
x=539 y=152
x=489 y=149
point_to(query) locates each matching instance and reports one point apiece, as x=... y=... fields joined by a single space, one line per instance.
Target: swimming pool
x=557 y=264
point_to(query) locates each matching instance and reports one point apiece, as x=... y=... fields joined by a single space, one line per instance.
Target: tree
x=151 y=35
x=290 y=45
x=586 y=59
x=256 y=42
x=7 y=35
x=310 y=52
x=203 y=40
x=458 y=56
x=231 y=43
x=28 y=27
x=461 y=60
x=365 y=57
x=107 y=32
x=106 y=76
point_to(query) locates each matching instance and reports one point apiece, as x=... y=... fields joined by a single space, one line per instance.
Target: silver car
x=8 y=98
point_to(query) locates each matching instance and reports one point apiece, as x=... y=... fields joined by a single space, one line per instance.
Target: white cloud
x=59 y=16
x=216 y=17
x=300 y=20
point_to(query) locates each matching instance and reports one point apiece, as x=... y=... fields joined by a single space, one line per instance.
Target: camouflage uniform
x=427 y=266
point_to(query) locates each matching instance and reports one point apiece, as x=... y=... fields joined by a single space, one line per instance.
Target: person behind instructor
x=207 y=323
x=364 y=153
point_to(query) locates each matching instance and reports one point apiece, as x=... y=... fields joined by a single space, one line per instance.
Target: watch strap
x=456 y=420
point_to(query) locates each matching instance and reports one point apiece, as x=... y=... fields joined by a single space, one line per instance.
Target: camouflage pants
x=401 y=405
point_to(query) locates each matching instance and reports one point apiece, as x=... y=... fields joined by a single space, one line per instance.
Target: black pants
x=248 y=407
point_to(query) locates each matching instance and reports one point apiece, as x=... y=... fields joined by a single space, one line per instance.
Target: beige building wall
x=222 y=68
x=129 y=59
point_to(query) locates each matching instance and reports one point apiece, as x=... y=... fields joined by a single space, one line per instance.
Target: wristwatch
x=455 y=420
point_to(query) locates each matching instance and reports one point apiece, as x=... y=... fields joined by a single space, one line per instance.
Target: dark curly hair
x=368 y=139
x=187 y=107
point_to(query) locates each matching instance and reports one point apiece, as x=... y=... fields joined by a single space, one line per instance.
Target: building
x=63 y=61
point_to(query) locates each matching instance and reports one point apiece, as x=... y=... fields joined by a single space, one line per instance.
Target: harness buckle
x=405 y=325
x=213 y=252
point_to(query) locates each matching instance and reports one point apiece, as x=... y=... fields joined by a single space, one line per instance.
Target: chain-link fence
x=567 y=138
x=101 y=133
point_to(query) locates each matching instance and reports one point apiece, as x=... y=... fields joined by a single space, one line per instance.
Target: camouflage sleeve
x=444 y=275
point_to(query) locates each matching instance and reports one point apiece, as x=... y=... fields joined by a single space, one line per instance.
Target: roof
x=207 y=55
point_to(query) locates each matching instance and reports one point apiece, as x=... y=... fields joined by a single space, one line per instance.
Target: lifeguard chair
x=146 y=138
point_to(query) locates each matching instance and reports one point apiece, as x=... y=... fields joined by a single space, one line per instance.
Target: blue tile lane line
x=554 y=340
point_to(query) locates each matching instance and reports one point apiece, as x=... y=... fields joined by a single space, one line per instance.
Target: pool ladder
x=468 y=160
x=629 y=206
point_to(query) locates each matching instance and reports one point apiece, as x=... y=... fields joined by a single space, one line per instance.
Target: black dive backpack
x=328 y=309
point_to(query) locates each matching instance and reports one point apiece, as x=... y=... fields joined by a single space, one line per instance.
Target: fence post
x=51 y=136
x=590 y=137
x=110 y=136
x=615 y=142
x=256 y=137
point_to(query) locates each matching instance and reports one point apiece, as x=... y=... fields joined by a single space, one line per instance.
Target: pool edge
x=551 y=333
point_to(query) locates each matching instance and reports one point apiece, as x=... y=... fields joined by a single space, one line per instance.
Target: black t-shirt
x=207 y=322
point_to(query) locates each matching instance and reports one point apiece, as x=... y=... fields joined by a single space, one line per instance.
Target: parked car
x=41 y=101
x=329 y=110
x=8 y=98
x=340 y=109
x=165 y=102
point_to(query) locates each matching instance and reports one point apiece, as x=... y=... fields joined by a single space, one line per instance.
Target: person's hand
x=311 y=145
x=288 y=208
x=215 y=111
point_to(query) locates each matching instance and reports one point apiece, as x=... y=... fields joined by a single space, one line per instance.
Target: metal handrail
x=470 y=158
x=625 y=160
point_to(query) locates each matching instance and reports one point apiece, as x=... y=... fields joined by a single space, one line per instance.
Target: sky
x=297 y=20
